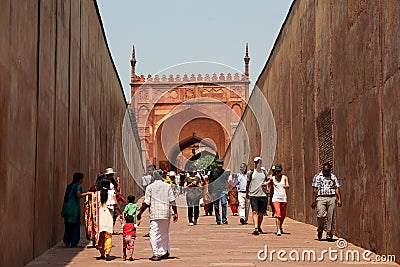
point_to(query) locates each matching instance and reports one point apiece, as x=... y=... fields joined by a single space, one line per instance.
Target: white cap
x=257 y=159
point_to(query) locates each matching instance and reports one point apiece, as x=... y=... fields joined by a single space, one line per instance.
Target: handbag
x=70 y=208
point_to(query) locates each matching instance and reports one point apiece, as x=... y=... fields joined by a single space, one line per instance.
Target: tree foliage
x=207 y=163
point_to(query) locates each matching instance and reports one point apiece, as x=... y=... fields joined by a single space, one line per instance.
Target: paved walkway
x=208 y=244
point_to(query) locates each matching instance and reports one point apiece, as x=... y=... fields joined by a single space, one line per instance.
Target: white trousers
x=159 y=236
x=244 y=205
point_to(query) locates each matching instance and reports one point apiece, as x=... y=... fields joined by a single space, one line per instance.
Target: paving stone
x=207 y=244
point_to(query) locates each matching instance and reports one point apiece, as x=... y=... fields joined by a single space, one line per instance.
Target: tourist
x=207 y=198
x=90 y=212
x=244 y=203
x=257 y=194
x=271 y=190
x=129 y=236
x=182 y=177
x=109 y=173
x=114 y=187
x=71 y=210
x=193 y=194
x=279 y=183
x=107 y=203
x=119 y=196
x=233 y=195
x=172 y=177
x=326 y=196
x=131 y=208
x=147 y=179
x=218 y=179
x=159 y=197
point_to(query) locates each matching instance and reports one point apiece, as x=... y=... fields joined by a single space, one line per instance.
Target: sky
x=186 y=36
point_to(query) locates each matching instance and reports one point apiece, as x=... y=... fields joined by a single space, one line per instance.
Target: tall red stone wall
x=332 y=82
x=62 y=109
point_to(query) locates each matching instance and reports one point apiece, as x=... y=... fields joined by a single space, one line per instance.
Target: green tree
x=207 y=162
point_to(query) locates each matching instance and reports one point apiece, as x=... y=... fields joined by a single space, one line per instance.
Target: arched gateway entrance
x=182 y=118
x=189 y=141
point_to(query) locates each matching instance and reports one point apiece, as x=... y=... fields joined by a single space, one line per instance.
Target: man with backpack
x=258 y=195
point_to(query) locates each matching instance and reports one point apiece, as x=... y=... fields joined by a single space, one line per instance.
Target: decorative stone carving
x=173 y=94
x=189 y=93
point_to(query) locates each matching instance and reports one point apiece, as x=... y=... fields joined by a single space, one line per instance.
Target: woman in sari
x=233 y=195
x=91 y=209
x=107 y=202
x=207 y=198
x=71 y=210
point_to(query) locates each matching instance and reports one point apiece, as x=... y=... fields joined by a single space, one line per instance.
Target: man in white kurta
x=159 y=197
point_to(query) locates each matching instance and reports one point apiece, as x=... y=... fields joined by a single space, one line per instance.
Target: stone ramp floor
x=209 y=244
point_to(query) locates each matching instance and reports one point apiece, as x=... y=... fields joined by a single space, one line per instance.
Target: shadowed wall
x=62 y=111
x=332 y=82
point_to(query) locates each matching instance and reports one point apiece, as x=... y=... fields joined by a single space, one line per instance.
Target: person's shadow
x=147 y=259
x=111 y=258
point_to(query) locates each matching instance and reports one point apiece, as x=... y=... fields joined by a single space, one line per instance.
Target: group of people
x=259 y=187
x=254 y=188
x=102 y=207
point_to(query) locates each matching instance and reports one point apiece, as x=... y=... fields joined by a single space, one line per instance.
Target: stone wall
x=332 y=82
x=62 y=110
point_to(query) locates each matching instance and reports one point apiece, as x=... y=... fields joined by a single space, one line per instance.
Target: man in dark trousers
x=218 y=183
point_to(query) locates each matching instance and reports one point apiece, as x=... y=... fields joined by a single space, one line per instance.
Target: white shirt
x=158 y=197
x=146 y=180
x=279 y=190
x=111 y=199
x=242 y=182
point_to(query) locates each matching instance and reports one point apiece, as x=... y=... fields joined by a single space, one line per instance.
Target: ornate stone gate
x=180 y=117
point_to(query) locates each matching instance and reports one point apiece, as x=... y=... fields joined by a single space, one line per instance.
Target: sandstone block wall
x=332 y=82
x=62 y=111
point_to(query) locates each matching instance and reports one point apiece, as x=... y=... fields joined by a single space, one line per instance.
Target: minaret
x=246 y=61
x=133 y=64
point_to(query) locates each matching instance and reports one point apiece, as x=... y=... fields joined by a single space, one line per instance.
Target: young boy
x=129 y=235
x=131 y=208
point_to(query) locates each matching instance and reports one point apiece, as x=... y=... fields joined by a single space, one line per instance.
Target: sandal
x=155 y=258
x=131 y=259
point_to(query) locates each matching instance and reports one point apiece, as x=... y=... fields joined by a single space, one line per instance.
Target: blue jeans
x=217 y=197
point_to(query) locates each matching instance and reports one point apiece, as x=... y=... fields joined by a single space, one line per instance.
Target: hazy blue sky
x=167 y=33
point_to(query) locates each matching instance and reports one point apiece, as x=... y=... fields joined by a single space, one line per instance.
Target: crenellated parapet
x=192 y=78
